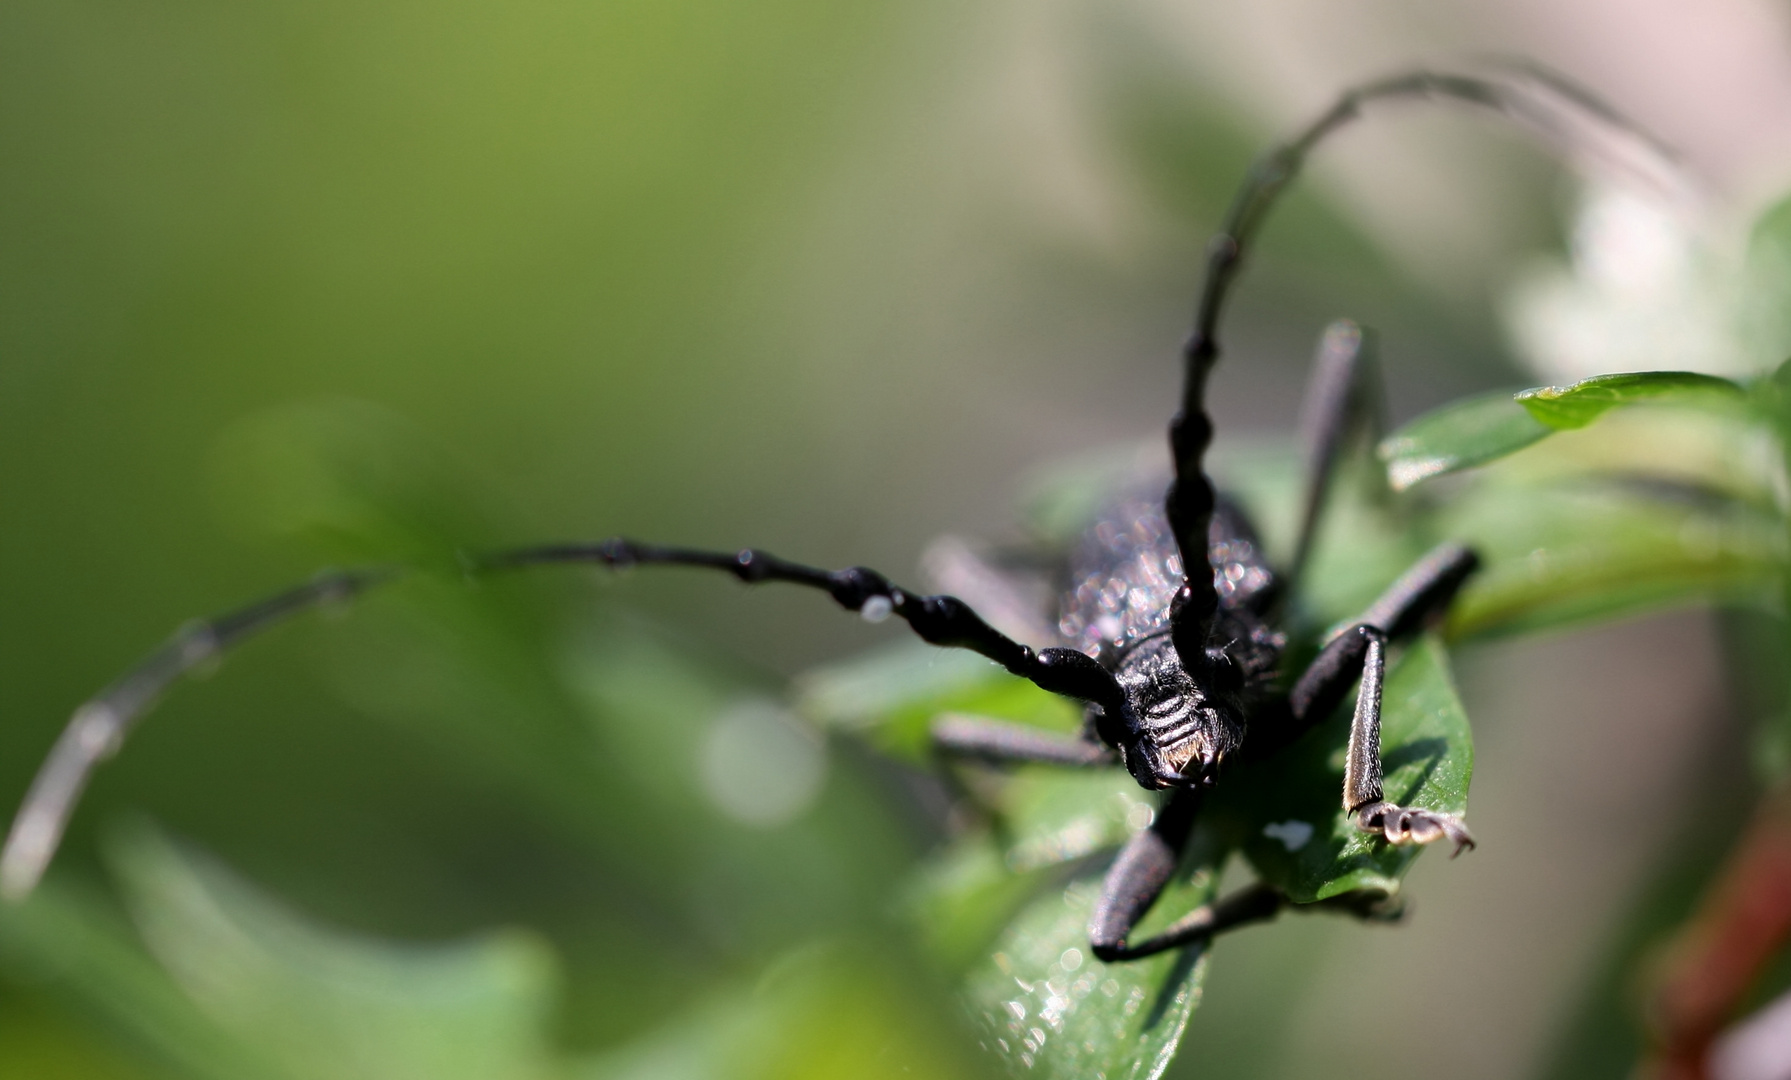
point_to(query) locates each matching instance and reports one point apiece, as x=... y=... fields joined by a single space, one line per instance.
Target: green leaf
x=893 y=694
x=1460 y=435
x=1554 y=555
x=1566 y=407
x=964 y=896
x=824 y=1010
x=86 y=956
x=998 y=904
x=1045 y=818
x=1053 y=815
x=1486 y=427
x=1287 y=812
x=1049 y=1009
x=327 y=1005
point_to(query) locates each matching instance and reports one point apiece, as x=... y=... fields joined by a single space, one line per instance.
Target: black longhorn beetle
x=1179 y=673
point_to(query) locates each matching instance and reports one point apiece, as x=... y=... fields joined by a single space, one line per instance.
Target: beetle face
x=1183 y=733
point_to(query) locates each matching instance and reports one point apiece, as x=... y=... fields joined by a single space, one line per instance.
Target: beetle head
x=1179 y=730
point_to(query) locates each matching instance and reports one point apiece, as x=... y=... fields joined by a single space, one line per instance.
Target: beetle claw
x=1412 y=825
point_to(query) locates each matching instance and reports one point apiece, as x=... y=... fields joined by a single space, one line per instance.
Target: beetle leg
x=1137 y=878
x=1252 y=903
x=1360 y=653
x=997 y=742
x=1420 y=596
x=1343 y=396
x=1362 y=794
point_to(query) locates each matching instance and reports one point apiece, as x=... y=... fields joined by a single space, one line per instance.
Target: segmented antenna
x=98 y=727
x=1589 y=134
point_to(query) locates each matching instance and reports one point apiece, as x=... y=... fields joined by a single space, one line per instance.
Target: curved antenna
x=98 y=727
x=1572 y=120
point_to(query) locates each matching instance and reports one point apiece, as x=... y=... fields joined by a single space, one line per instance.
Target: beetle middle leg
x=1001 y=742
x=1344 y=397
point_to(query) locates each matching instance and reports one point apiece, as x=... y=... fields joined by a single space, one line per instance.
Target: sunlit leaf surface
x=1484 y=428
x=1575 y=406
x=1010 y=906
x=1458 y=436
x=1570 y=553
x=893 y=694
x=1044 y=818
x=1048 y=1008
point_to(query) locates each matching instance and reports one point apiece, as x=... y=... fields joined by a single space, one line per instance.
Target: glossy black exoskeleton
x=1125 y=575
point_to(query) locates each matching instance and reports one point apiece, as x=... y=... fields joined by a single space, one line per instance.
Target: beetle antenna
x=98 y=727
x=1568 y=117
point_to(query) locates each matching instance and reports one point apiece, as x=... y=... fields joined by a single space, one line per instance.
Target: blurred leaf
x=87 y=957
x=328 y=1005
x=1048 y=1008
x=1556 y=555
x=963 y=897
x=891 y=696
x=1046 y=817
x=1287 y=812
x=354 y=480
x=1062 y=499
x=1052 y=815
x=1667 y=448
x=41 y=1045
x=825 y=1011
x=1456 y=436
x=1564 y=407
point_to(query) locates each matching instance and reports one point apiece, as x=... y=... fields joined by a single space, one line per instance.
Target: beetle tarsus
x=1413 y=825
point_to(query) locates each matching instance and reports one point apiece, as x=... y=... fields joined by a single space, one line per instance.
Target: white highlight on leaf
x=1293 y=835
x=1405 y=472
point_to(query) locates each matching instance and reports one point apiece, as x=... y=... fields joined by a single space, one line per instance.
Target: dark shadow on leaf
x=1176 y=976
x=1430 y=751
x=1363 y=860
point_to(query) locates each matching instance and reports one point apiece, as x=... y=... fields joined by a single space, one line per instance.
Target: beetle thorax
x=1184 y=733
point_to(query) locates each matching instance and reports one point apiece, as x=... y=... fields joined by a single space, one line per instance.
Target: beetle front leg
x=1361 y=653
x=1138 y=876
x=1362 y=794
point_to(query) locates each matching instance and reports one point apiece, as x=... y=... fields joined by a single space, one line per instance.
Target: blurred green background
x=285 y=285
